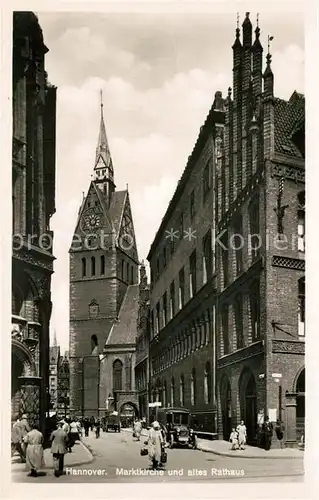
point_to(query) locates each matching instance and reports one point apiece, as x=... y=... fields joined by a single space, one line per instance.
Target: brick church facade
x=33 y=204
x=228 y=319
x=103 y=296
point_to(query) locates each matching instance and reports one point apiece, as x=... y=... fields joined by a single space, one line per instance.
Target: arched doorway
x=225 y=397
x=248 y=404
x=17 y=371
x=300 y=409
x=128 y=412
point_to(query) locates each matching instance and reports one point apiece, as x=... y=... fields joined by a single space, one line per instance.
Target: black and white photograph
x=158 y=298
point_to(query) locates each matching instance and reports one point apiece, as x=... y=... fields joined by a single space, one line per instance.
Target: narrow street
x=117 y=459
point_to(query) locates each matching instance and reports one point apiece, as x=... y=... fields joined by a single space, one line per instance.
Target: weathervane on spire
x=270 y=38
x=101 y=98
x=237 y=20
x=257 y=20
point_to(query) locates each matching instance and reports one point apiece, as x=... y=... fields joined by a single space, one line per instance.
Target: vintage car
x=176 y=422
x=112 y=422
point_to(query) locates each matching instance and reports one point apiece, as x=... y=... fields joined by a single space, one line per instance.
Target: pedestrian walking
x=86 y=425
x=34 y=450
x=75 y=432
x=267 y=432
x=233 y=439
x=97 y=428
x=59 y=448
x=155 y=444
x=242 y=435
x=17 y=444
x=137 y=429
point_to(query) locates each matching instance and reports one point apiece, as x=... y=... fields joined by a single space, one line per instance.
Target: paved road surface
x=117 y=457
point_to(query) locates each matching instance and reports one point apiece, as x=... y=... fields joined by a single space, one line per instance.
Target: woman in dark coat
x=267 y=431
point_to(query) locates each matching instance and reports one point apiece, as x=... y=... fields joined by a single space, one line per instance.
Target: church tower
x=103 y=264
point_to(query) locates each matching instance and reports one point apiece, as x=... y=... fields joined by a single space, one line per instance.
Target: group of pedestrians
x=28 y=441
x=238 y=436
x=92 y=423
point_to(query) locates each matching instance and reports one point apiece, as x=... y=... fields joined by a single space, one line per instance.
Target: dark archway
x=301 y=401
x=226 y=407
x=248 y=404
x=128 y=412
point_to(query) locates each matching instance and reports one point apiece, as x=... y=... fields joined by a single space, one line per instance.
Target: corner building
x=103 y=295
x=261 y=279
x=33 y=204
x=183 y=286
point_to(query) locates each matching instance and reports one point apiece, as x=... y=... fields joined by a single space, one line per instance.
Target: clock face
x=91 y=220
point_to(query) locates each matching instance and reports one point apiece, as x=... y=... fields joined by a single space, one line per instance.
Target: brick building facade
x=228 y=317
x=103 y=295
x=183 y=286
x=260 y=191
x=33 y=203
x=63 y=385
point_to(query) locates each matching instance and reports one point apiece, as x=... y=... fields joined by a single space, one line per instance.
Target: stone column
x=30 y=397
x=290 y=424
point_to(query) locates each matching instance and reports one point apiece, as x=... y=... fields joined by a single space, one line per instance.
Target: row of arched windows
x=89 y=266
x=183 y=397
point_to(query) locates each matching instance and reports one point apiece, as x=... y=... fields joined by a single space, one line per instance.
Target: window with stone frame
x=117 y=375
x=207 y=383
x=181 y=289
x=206 y=181
x=192 y=204
x=207 y=257
x=157 y=319
x=83 y=261
x=255 y=311
x=172 y=392
x=172 y=300
x=182 y=391
x=92 y=266
x=301 y=307
x=254 y=228
x=238 y=316
x=164 y=309
x=301 y=221
x=225 y=257
x=225 y=328
x=193 y=387
x=238 y=242
x=102 y=268
x=192 y=274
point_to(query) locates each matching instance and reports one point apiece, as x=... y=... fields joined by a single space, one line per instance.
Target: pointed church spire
x=103 y=155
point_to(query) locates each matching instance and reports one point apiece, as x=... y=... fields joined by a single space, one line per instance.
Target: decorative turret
x=257 y=51
x=268 y=100
x=268 y=74
x=247 y=32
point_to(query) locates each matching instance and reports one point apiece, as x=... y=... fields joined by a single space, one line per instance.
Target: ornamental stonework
x=288 y=347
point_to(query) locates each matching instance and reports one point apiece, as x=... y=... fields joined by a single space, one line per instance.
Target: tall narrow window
x=224 y=257
x=207 y=384
x=164 y=309
x=181 y=289
x=172 y=300
x=254 y=236
x=172 y=392
x=207 y=257
x=192 y=274
x=164 y=257
x=93 y=266
x=123 y=270
x=255 y=312
x=301 y=307
x=132 y=275
x=206 y=181
x=238 y=243
x=117 y=375
x=181 y=390
x=127 y=272
x=181 y=226
x=157 y=317
x=238 y=314
x=193 y=387
x=301 y=222
x=84 y=267
x=94 y=345
x=102 y=265
x=192 y=204
x=225 y=328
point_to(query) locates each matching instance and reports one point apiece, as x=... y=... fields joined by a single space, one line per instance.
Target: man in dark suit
x=267 y=432
x=59 y=440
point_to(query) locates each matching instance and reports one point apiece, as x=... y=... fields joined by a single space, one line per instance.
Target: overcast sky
x=159 y=74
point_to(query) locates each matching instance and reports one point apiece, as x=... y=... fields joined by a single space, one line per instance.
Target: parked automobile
x=176 y=422
x=112 y=422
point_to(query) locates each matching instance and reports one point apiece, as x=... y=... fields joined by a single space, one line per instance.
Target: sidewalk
x=219 y=447
x=80 y=455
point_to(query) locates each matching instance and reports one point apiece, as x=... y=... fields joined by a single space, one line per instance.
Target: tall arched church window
x=117 y=375
x=102 y=265
x=93 y=266
x=83 y=267
x=94 y=344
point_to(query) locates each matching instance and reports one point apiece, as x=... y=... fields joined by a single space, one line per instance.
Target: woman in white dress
x=34 y=451
x=242 y=435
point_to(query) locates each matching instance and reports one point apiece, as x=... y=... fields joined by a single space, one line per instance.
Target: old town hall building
x=104 y=295
x=227 y=294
